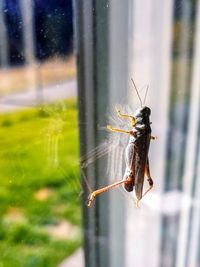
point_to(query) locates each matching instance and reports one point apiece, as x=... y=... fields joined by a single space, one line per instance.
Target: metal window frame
x=102 y=81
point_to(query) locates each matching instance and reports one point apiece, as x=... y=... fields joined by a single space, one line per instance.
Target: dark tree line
x=53 y=29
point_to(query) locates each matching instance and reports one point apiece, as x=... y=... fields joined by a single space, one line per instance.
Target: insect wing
x=116 y=162
x=104 y=148
x=141 y=154
x=115 y=165
x=113 y=147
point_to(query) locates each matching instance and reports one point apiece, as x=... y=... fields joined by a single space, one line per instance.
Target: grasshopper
x=136 y=153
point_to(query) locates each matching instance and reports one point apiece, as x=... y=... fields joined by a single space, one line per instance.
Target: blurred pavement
x=76 y=260
x=49 y=94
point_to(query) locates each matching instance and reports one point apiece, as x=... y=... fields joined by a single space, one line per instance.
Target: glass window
x=157 y=44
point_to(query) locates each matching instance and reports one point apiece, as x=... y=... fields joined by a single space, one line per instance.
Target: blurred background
x=64 y=65
x=39 y=185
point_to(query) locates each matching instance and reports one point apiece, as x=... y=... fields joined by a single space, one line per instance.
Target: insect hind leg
x=97 y=192
x=149 y=179
x=129 y=184
x=129 y=187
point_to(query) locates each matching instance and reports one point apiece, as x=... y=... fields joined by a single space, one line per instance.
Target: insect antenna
x=137 y=92
x=145 y=94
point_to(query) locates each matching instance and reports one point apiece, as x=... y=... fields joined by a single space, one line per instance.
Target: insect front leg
x=120 y=115
x=109 y=127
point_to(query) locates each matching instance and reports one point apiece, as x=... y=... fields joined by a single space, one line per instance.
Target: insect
x=136 y=152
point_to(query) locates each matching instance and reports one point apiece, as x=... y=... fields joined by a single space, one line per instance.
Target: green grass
x=39 y=184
